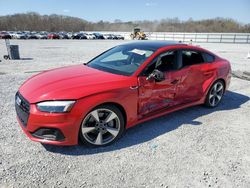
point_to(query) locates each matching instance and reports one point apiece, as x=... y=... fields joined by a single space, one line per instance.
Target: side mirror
x=157 y=75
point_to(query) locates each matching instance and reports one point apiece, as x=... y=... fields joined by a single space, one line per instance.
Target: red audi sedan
x=126 y=85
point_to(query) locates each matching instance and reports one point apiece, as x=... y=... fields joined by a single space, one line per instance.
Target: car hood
x=71 y=82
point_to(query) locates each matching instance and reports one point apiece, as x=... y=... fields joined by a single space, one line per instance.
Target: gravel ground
x=195 y=147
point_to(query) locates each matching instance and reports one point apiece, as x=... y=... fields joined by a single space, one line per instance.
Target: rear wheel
x=102 y=126
x=215 y=94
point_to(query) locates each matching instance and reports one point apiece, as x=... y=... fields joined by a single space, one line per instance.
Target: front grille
x=22 y=108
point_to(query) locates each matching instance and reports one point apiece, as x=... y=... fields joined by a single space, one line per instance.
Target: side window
x=164 y=62
x=208 y=57
x=190 y=57
x=167 y=62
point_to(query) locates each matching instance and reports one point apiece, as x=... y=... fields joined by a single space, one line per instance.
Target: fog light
x=49 y=134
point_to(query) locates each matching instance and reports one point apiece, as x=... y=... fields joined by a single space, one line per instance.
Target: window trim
x=179 y=59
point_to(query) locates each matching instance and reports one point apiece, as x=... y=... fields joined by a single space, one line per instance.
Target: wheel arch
x=206 y=103
x=210 y=86
x=223 y=81
x=119 y=106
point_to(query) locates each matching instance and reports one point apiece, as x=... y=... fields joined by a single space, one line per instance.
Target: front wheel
x=102 y=126
x=215 y=94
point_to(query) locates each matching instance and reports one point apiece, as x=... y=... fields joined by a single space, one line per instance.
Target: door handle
x=175 y=81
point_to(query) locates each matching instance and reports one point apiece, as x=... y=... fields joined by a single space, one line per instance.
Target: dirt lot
x=195 y=147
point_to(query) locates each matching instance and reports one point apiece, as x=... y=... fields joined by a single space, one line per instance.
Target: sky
x=131 y=10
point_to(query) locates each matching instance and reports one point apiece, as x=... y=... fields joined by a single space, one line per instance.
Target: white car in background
x=107 y=36
x=12 y=34
x=70 y=34
x=42 y=36
x=20 y=35
x=90 y=36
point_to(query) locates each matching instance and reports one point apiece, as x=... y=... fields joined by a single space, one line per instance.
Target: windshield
x=123 y=60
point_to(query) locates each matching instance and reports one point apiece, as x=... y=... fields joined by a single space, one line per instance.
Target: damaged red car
x=126 y=85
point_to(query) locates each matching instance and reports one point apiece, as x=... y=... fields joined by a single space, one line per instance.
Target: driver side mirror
x=157 y=75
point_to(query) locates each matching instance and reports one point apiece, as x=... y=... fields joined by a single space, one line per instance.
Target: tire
x=6 y=57
x=215 y=94
x=102 y=126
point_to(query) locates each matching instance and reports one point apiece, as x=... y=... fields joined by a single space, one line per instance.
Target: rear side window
x=190 y=57
x=208 y=57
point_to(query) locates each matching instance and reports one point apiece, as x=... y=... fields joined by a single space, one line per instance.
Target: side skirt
x=164 y=112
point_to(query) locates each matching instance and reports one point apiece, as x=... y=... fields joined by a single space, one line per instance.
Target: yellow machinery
x=138 y=34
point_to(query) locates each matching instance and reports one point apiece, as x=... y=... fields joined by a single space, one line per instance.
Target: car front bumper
x=49 y=128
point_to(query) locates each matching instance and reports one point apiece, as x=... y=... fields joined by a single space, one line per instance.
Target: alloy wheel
x=216 y=94
x=101 y=126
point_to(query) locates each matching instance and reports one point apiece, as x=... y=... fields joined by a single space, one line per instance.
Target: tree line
x=53 y=23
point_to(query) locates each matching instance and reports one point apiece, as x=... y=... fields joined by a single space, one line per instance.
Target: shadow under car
x=151 y=129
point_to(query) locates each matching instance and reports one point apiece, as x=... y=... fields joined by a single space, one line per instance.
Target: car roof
x=155 y=45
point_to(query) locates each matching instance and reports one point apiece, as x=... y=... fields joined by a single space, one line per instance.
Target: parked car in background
x=53 y=36
x=20 y=35
x=75 y=36
x=119 y=37
x=42 y=36
x=69 y=34
x=32 y=35
x=114 y=37
x=107 y=36
x=99 y=36
x=58 y=35
x=90 y=36
x=63 y=36
x=5 y=35
x=12 y=34
x=79 y=36
x=126 y=85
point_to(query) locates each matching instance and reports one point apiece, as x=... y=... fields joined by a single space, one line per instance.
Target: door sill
x=167 y=110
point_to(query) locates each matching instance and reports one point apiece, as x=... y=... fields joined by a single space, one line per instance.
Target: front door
x=155 y=95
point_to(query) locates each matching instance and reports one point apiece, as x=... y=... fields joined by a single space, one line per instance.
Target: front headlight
x=55 y=106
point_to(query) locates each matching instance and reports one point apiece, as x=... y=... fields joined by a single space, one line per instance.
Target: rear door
x=195 y=73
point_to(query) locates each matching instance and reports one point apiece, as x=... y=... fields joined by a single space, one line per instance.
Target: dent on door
x=154 y=95
x=191 y=86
